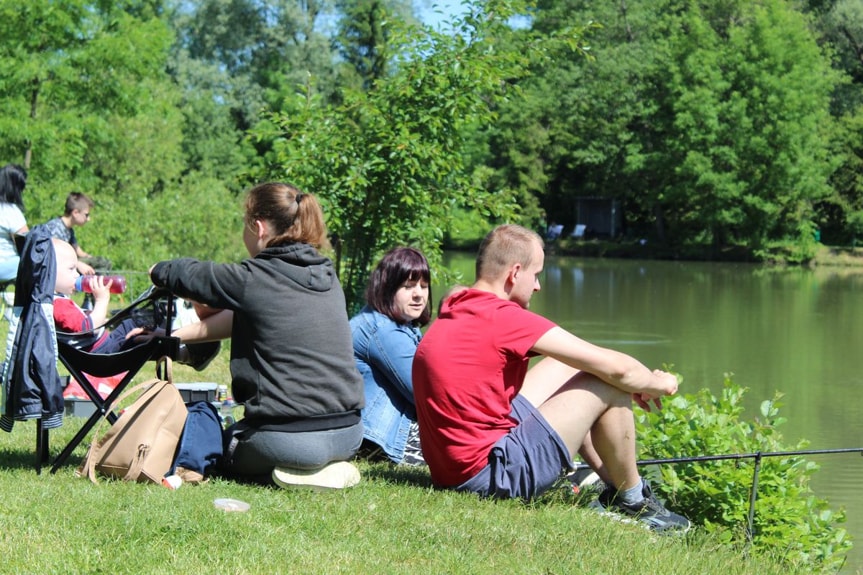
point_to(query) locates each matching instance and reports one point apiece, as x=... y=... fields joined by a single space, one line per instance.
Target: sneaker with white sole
x=584 y=479
x=337 y=475
x=648 y=511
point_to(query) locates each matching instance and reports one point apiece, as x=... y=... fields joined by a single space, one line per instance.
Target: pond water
x=795 y=331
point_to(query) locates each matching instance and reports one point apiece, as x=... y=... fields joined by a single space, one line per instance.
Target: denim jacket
x=384 y=353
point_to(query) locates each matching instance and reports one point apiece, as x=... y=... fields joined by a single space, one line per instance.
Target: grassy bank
x=839 y=257
x=393 y=522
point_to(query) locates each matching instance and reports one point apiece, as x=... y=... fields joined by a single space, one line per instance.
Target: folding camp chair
x=31 y=381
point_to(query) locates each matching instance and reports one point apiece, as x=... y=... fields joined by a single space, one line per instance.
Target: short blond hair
x=504 y=246
x=63 y=250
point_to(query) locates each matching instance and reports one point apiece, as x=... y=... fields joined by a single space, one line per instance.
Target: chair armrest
x=108 y=364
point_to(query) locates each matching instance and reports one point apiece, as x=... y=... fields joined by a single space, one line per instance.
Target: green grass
x=392 y=522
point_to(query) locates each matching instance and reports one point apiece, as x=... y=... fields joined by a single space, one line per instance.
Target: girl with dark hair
x=386 y=333
x=13 y=180
x=291 y=362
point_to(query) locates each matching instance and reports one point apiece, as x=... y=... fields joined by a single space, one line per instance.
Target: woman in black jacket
x=292 y=361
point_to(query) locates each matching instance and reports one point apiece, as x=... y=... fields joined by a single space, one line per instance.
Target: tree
x=840 y=216
x=744 y=115
x=85 y=104
x=75 y=74
x=388 y=162
x=709 y=120
x=364 y=34
x=265 y=48
x=843 y=25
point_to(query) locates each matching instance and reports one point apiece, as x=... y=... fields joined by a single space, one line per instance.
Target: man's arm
x=613 y=367
x=84 y=269
x=214 y=327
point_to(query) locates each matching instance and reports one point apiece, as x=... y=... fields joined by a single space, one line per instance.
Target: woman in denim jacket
x=386 y=333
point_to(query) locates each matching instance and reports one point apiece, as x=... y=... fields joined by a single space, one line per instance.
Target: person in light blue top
x=386 y=333
x=13 y=180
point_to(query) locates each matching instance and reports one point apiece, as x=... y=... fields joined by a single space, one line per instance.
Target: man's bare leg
x=592 y=417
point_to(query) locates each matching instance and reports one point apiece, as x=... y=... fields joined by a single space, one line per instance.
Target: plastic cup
x=227 y=504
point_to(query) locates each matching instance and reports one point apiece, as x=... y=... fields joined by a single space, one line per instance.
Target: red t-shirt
x=70 y=318
x=468 y=368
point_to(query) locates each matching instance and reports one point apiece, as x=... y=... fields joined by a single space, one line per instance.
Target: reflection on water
x=792 y=331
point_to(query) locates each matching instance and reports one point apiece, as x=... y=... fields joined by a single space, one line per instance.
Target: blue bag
x=201 y=443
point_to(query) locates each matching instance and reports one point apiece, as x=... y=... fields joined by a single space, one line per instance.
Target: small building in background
x=601 y=217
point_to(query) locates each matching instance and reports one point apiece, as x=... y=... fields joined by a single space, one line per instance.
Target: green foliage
x=363 y=35
x=842 y=213
x=387 y=162
x=748 y=105
x=709 y=121
x=466 y=229
x=265 y=47
x=528 y=149
x=84 y=100
x=201 y=218
x=212 y=141
x=841 y=27
x=790 y=521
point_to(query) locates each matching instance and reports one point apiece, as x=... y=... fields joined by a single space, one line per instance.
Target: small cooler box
x=203 y=391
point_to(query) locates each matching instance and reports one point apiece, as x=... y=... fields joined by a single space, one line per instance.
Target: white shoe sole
x=591 y=479
x=338 y=475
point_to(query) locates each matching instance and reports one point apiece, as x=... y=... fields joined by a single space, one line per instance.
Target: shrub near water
x=789 y=521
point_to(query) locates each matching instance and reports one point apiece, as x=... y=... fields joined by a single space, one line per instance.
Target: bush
x=789 y=522
x=467 y=229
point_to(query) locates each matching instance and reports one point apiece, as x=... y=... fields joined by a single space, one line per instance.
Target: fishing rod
x=757 y=456
x=754 y=455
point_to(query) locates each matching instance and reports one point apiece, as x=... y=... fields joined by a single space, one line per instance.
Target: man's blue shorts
x=525 y=462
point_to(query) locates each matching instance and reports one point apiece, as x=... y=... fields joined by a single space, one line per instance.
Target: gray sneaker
x=648 y=511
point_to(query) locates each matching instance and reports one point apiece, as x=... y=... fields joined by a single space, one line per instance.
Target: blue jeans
x=116 y=340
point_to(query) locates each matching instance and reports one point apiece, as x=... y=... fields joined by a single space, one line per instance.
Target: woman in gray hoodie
x=292 y=363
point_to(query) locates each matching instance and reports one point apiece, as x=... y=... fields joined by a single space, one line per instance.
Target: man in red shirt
x=490 y=425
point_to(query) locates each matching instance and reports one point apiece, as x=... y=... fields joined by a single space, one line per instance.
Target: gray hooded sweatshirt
x=292 y=362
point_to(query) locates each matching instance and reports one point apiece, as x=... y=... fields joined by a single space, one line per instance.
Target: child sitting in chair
x=88 y=326
x=68 y=315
